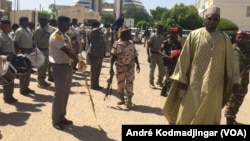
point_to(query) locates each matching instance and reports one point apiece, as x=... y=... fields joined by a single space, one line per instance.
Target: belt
x=43 y=49
x=26 y=50
x=155 y=52
x=70 y=64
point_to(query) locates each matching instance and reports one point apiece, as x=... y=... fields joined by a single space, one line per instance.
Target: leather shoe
x=58 y=126
x=25 y=93
x=97 y=88
x=11 y=100
x=30 y=91
x=164 y=94
x=51 y=79
x=66 y=121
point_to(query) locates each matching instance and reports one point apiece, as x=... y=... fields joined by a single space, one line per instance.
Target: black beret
x=23 y=19
x=63 y=19
x=96 y=24
x=5 y=21
x=43 y=19
x=74 y=19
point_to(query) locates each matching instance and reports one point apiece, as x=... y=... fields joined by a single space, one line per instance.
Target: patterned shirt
x=125 y=52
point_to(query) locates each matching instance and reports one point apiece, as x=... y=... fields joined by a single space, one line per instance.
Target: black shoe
x=164 y=94
x=66 y=121
x=97 y=88
x=51 y=79
x=25 y=92
x=58 y=126
x=11 y=100
x=33 y=71
x=30 y=91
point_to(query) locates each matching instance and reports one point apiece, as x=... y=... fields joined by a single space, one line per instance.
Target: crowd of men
x=197 y=69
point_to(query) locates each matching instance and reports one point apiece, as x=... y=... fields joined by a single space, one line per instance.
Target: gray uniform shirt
x=24 y=38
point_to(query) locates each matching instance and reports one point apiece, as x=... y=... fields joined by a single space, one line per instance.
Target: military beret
x=63 y=19
x=43 y=19
x=5 y=21
x=241 y=32
x=21 y=19
x=96 y=24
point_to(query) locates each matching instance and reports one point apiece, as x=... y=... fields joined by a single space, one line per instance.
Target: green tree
x=107 y=18
x=142 y=24
x=137 y=13
x=52 y=7
x=156 y=14
x=43 y=14
x=180 y=15
x=227 y=25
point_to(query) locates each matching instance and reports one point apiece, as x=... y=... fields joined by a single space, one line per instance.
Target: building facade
x=5 y=8
x=137 y=3
x=95 y=5
x=82 y=14
x=237 y=11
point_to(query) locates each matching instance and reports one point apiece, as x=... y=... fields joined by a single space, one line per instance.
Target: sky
x=44 y=4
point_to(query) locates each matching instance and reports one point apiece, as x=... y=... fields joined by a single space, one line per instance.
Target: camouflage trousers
x=125 y=78
x=235 y=101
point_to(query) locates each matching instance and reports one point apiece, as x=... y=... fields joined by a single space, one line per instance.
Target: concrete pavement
x=30 y=118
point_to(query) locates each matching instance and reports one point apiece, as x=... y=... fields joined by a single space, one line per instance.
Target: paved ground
x=30 y=118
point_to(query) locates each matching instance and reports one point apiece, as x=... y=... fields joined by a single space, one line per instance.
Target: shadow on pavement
x=87 y=133
x=41 y=97
x=140 y=108
x=15 y=118
x=20 y=106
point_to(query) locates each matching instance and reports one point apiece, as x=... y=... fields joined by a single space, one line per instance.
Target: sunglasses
x=213 y=19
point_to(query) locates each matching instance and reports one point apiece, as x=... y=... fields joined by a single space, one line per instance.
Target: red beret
x=241 y=32
x=173 y=29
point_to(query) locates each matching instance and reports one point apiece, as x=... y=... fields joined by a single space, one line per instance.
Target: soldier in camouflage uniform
x=242 y=50
x=168 y=46
x=125 y=56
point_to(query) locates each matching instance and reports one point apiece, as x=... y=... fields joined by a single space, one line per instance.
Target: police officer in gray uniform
x=7 y=48
x=62 y=57
x=23 y=42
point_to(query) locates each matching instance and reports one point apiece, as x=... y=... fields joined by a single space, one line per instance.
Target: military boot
x=121 y=96
x=129 y=103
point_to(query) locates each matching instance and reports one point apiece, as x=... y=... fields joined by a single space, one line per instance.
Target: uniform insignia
x=58 y=36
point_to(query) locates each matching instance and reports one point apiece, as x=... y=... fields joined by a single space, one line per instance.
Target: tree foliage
x=180 y=15
x=137 y=13
x=142 y=24
x=43 y=14
x=156 y=14
x=107 y=18
x=227 y=25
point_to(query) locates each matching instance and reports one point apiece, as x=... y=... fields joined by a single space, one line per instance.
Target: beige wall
x=234 y=10
x=79 y=13
x=237 y=14
x=32 y=15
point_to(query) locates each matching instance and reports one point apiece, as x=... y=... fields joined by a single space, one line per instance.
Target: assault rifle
x=109 y=87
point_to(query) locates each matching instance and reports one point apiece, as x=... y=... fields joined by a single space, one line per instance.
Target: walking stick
x=90 y=96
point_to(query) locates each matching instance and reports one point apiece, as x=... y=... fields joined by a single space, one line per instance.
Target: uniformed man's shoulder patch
x=58 y=36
